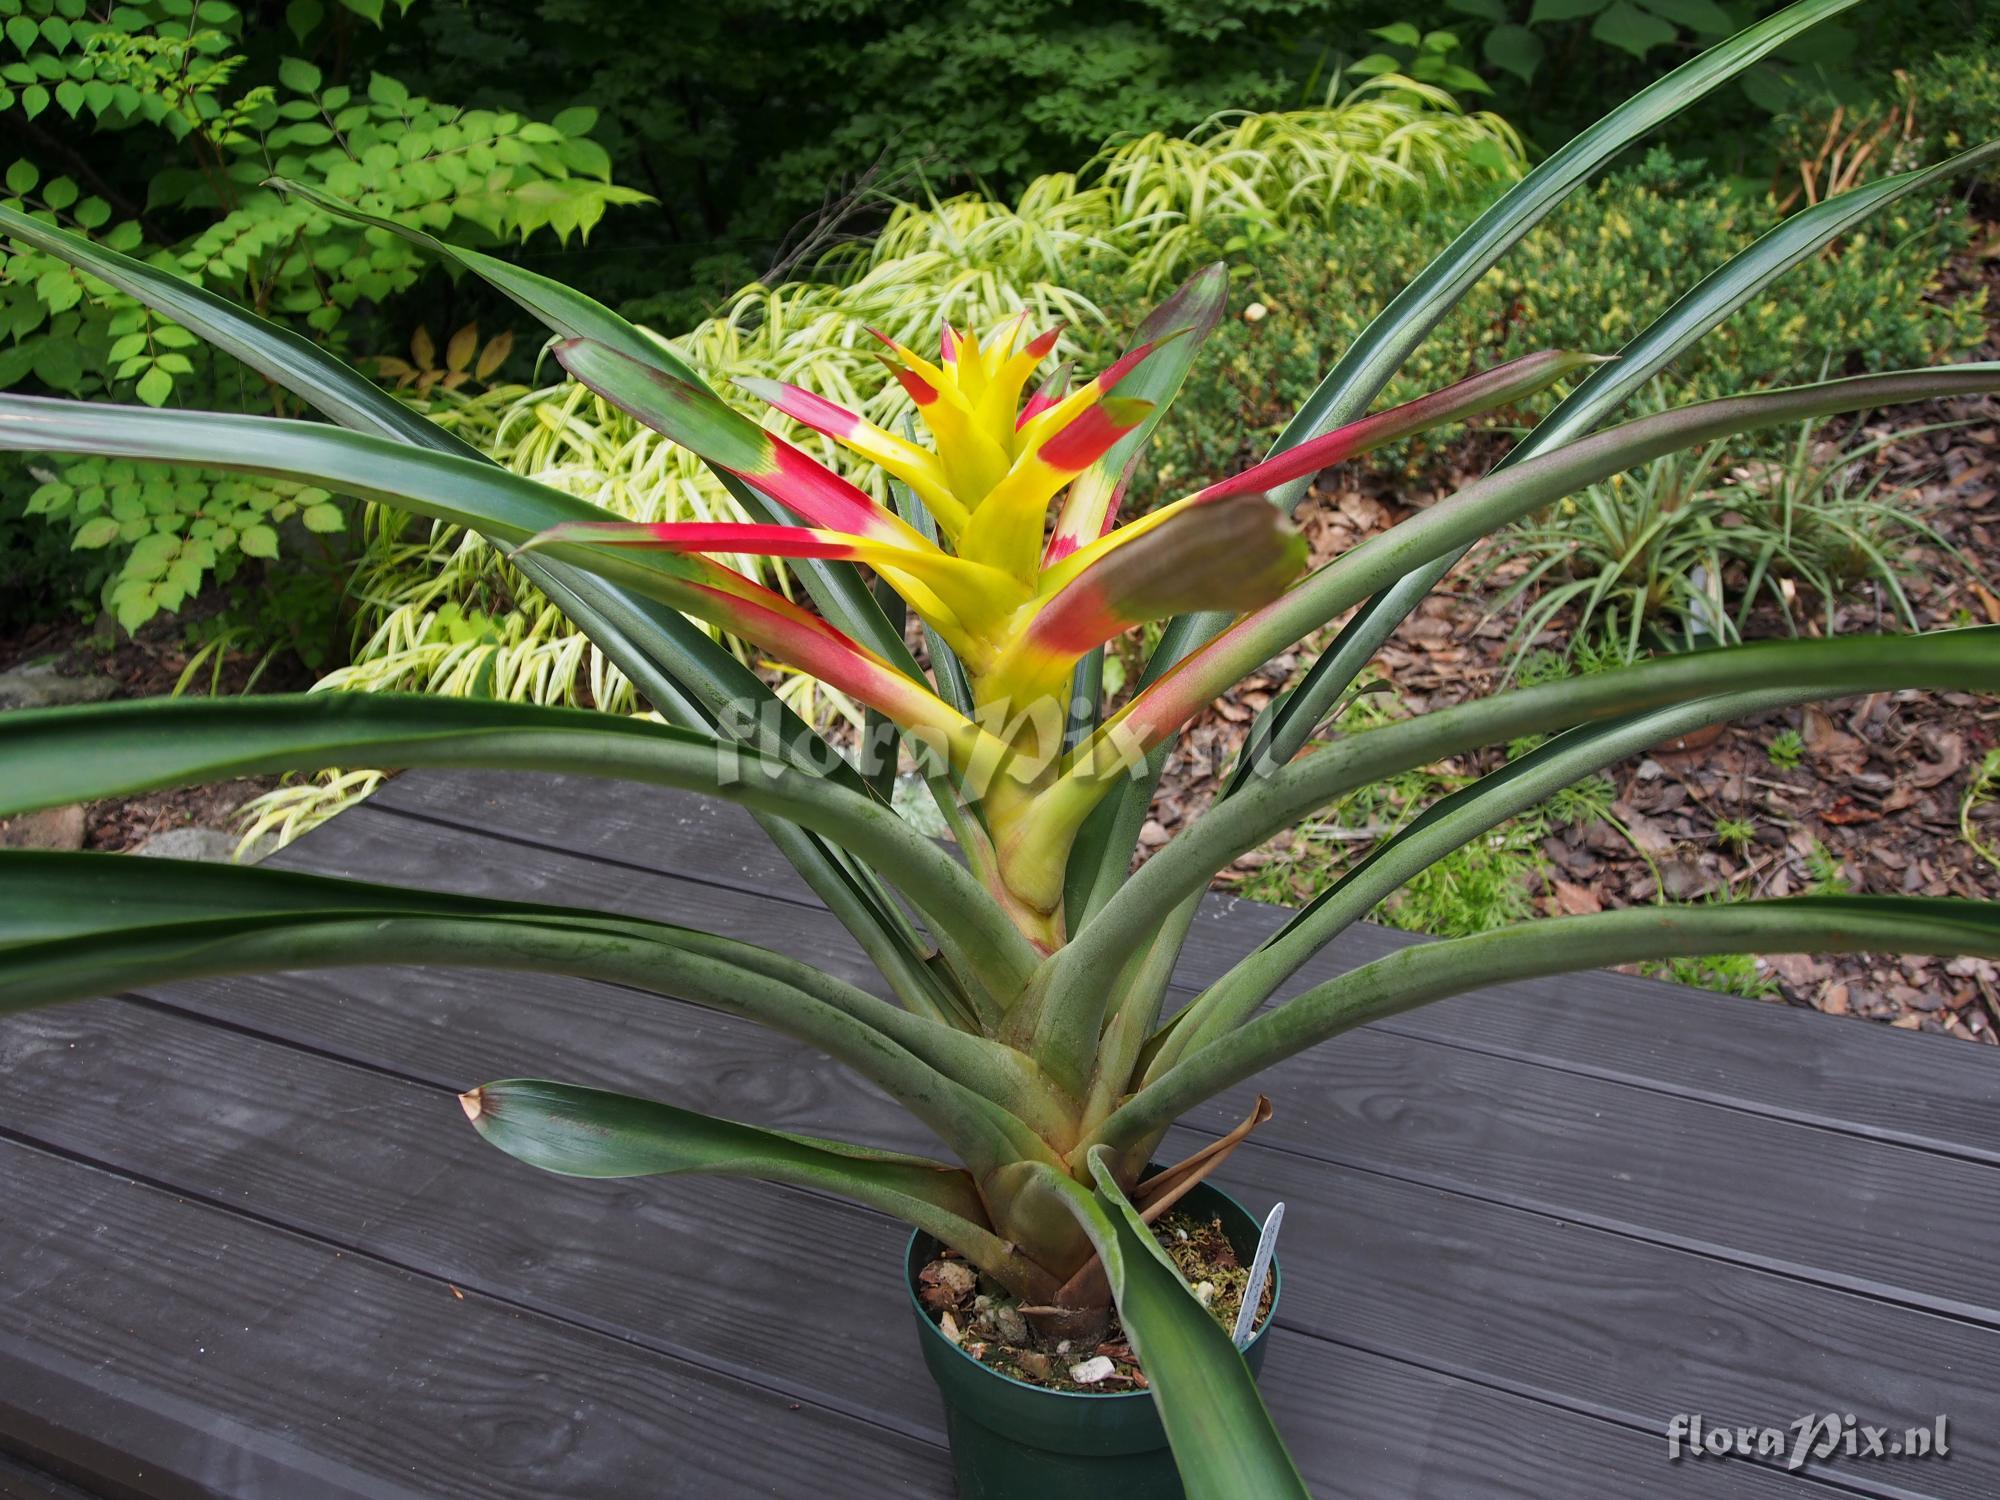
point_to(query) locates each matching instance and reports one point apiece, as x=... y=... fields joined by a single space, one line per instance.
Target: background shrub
x=1589 y=277
x=153 y=129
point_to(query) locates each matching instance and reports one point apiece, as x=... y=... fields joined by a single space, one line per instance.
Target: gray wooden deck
x=249 y=1248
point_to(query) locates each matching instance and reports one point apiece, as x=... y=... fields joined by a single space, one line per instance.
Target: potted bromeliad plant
x=1020 y=1015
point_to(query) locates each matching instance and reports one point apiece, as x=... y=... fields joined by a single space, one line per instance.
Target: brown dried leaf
x=1576 y=901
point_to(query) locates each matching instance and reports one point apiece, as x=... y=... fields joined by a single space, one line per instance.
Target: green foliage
x=46 y=579
x=1689 y=546
x=172 y=526
x=1143 y=210
x=1982 y=794
x=1588 y=278
x=172 y=85
x=1735 y=833
x=1956 y=98
x=1730 y=973
x=1825 y=874
x=1786 y=750
x=755 y=151
x=1557 y=63
x=1426 y=56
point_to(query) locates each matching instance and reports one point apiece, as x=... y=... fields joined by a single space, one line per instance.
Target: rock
x=51 y=828
x=210 y=844
x=1092 y=1370
x=41 y=686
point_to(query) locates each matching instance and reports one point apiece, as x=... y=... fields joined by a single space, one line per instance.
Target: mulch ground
x=148 y=665
x=1879 y=787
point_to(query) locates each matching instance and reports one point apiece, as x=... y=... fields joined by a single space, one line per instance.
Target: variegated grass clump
x=442 y=612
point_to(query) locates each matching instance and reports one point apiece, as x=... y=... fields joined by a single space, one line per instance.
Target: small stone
x=1092 y=1370
x=1204 y=1293
x=209 y=844
x=42 y=686
x=51 y=828
x=948 y=1326
x=1256 y=312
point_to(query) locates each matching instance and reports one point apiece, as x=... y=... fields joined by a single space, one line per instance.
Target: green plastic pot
x=1015 y=1441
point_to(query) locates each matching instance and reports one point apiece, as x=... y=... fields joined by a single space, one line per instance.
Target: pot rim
x=930 y=1329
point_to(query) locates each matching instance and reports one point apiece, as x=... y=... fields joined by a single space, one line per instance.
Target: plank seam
x=699 y=1367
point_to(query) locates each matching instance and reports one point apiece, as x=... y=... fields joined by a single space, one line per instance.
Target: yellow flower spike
x=917 y=467
x=999 y=408
x=1006 y=529
x=1060 y=413
x=969 y=365
x=973 y=461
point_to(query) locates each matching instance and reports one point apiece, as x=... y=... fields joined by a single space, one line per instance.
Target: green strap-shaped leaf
x=838 y=588
x=1224 y=1442
x=1284 y=726
x=56 y=756
x=1946 y=660
x=77 y=925
x=1103 y=851
x=1447 y=825
x=684 y=674
x=1395 y=332
x=583 y=1132
x=1560 y=945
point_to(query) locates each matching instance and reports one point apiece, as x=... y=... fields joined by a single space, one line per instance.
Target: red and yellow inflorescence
x=1030 y=570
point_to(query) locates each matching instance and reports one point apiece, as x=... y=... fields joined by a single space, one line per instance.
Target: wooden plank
x=1680 y=1171
x=387 y=1165
x=1851 y=1076
x=380 y=1163
x=21 y=1481
x=1613 y=1327
x=495 y=1406
x=1857 y=1078
x=1391 y=1430
x=191 y=1351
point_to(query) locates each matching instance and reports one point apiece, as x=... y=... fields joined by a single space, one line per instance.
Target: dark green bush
x=1957 y=100
x=153 y=127
x=1590 y=277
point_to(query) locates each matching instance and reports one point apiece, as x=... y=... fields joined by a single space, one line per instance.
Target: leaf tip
x=473 y=1102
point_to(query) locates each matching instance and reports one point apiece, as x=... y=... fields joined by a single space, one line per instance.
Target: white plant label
x=1260 y=1268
